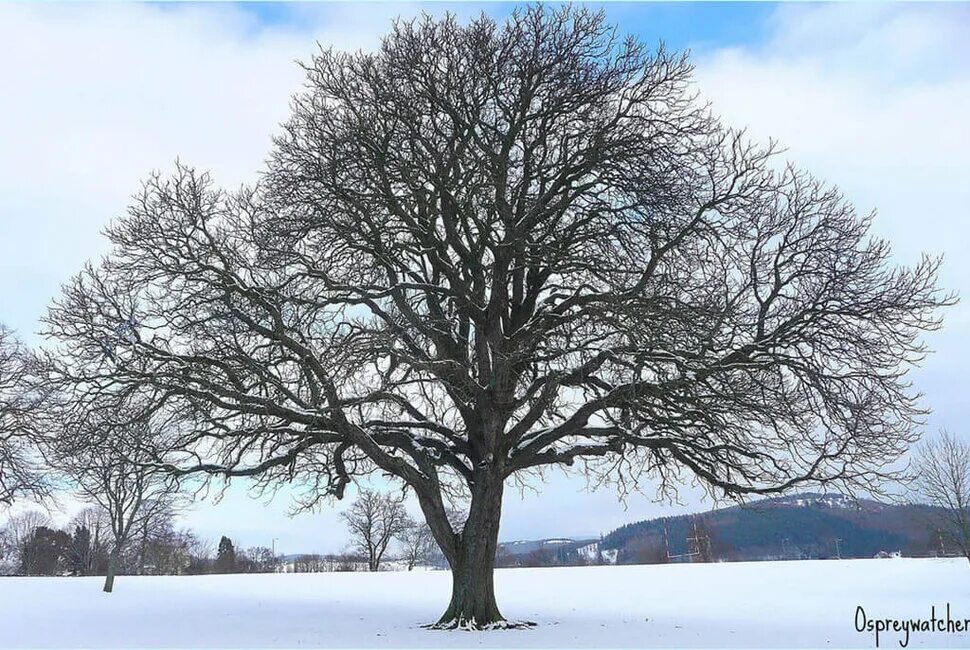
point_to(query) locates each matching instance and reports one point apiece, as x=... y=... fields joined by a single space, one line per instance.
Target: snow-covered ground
x=777 y=604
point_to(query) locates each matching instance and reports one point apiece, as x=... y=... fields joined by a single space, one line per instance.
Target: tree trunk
x=473 y=605
x=109 y=578
x=472 y=560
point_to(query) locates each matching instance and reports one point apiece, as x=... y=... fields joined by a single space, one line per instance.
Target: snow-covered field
x=776 y=604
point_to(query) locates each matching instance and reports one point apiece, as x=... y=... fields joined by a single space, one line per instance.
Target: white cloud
x=96 y=97
x=93 y=98
x=874 y=98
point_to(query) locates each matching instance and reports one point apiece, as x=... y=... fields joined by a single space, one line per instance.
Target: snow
x=831 y=500
x=758 y=604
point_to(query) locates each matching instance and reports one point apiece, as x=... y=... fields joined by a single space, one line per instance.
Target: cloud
x=873 y=98
x=96 y=97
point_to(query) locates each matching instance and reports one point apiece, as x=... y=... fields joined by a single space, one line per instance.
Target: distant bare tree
x=942 y=470
x=486 y=251
x=417 y=543
x=110 y=459
x=155 y=526
x=374 y=520
x=347 y=562
x=263 y=559
x=309 y=563
x=19 y=473
x=7 y=554
x=94 y=519
x=165 y=552
x=200 y=552
x=17 y=532
x=90 y=547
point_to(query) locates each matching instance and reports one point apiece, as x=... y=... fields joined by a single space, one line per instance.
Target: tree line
x=31 y=545
x=379 y=526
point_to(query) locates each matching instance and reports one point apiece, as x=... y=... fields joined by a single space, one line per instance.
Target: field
x=766 y=604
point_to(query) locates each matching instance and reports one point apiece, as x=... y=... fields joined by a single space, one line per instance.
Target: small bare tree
x=89 y=549
x=373 y=521
x=17 y=532
x=19 y=473
x=262 y=559
x=110 y=462
x=943 y=479
x=417 y=543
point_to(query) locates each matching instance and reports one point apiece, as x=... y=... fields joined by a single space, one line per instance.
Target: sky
x=871 y=97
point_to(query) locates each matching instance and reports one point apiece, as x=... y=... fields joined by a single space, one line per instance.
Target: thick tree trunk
x=473 y=605
x=109 y=578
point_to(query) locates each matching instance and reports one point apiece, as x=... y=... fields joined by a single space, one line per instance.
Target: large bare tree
x=485 y=250
x=942 y=471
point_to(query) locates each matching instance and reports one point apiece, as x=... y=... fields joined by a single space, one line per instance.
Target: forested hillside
x=803 y=526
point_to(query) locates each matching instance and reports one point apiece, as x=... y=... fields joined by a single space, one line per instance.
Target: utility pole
x=666 y=541
x=838 y=553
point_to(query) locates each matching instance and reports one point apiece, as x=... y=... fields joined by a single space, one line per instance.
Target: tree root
x=470 y=625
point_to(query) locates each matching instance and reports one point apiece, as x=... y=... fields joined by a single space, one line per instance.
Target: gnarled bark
x=472 y=559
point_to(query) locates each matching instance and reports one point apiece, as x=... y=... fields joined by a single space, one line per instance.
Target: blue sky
x=681 y=25
x=871 y=96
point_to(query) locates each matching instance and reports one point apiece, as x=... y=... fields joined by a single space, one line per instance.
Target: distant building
x=594 y=554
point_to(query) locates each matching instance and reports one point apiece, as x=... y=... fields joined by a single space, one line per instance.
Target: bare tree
x=417 y=543
x=942 y=470
x=374 y=520
x=19 y=473
x=155 y=527
x=263 y=559
x=200 y=553
x=17 y=533
x=89 y=552
x=111 y=462
x=487 y=250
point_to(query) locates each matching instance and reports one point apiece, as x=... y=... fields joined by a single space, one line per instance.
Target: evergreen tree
x=79 y=553
x=226 y=556
x=45 y=552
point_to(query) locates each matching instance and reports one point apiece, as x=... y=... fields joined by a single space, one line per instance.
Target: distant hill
x=524 y=547
x=541 y=552
x=800 y=526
